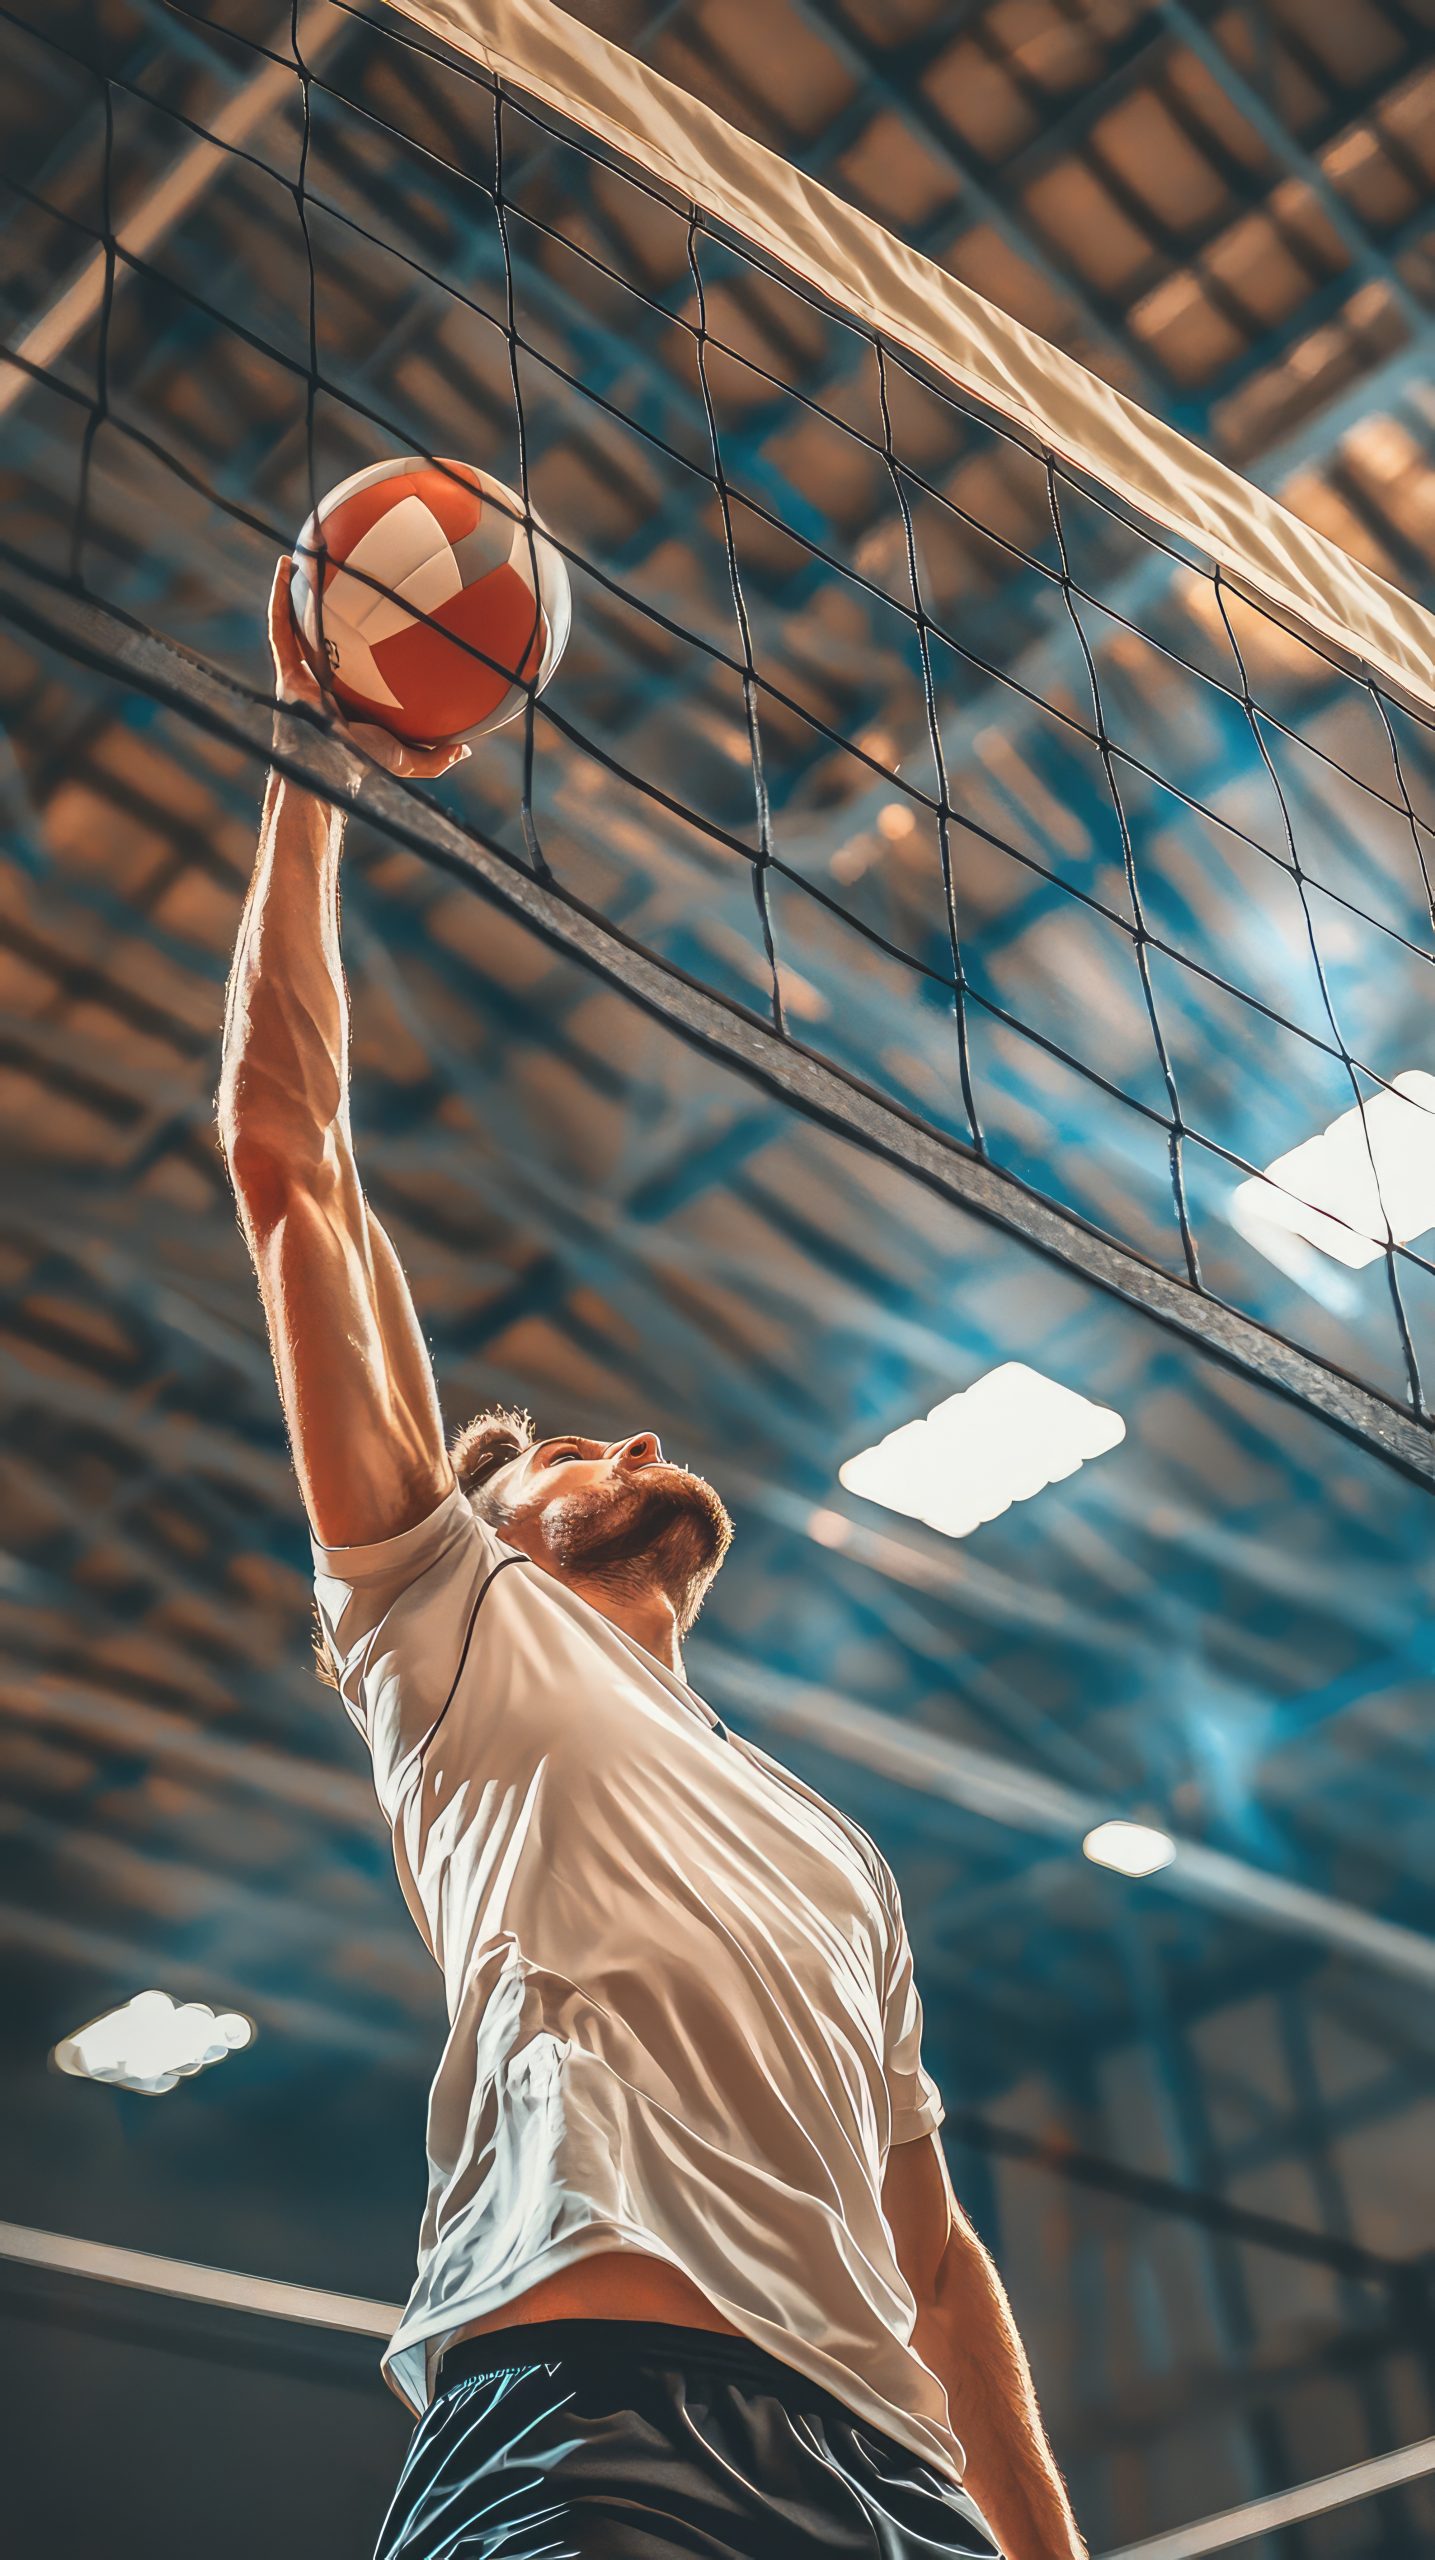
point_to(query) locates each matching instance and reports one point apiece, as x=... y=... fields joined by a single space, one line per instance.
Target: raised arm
x=353 y=1369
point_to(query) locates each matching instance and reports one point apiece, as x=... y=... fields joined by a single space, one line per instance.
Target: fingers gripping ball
x=427 y=601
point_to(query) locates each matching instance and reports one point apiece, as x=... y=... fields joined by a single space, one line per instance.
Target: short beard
x=661 y=1529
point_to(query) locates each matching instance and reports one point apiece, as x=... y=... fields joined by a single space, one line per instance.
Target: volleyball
x=429 y=599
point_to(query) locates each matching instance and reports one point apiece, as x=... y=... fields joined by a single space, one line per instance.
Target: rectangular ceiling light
x=1338 y=1190
x=979 y=1452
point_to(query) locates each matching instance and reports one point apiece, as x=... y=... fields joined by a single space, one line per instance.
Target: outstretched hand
x=295 y=681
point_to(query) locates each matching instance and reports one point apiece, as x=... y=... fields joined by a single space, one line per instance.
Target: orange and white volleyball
x=427 y=600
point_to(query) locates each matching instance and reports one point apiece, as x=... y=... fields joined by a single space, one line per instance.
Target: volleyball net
x=943 y=744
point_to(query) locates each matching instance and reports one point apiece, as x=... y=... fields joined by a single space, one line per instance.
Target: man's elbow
x=271 y=1167
x=279 y=1112
x=963 y=2267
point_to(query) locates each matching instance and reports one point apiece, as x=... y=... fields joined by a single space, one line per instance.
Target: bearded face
x=618 y=1517
x=664 y=1526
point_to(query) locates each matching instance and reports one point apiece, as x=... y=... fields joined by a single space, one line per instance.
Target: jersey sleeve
x=398 y=1618
x=916 y=2100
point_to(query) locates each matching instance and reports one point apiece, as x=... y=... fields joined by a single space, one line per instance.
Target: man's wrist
x=330 y=761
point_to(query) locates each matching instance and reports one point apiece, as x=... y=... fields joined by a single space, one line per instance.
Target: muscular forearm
x=285 y=1076
x=967 y=2335
x=353 y=1369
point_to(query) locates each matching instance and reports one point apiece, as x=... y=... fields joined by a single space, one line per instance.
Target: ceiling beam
x=102 y=1952
x=1024 y=1799
x=49 y=1703
x=169 y=202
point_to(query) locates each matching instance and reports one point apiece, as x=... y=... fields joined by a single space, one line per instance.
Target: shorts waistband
x=616 y=2346
x=630 y=2342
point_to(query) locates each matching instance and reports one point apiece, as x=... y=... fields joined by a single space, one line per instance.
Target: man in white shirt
x=692 y=2279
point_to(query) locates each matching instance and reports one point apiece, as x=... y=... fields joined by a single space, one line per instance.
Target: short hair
x=490 y=1441
x=476 y=1453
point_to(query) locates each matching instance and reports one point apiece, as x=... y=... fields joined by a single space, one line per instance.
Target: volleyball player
x=692 y=2279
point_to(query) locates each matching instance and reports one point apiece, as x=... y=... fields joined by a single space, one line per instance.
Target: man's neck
x=644 y=1615
x=647 y=1616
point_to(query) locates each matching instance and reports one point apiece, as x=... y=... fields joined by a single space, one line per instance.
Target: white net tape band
x=913 y=303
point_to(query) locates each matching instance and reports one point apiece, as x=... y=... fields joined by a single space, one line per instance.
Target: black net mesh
x=992 y=824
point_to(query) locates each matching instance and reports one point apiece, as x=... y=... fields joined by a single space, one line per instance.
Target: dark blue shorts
x=634 y=2440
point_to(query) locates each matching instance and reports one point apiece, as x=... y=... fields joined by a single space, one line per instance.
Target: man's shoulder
x=451 y=1529
x=406 y=1593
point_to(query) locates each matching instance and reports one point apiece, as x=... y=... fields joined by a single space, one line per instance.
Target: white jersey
x=683 y=2014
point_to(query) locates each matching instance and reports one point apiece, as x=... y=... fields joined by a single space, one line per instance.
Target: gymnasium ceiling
x=1223 y=1624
